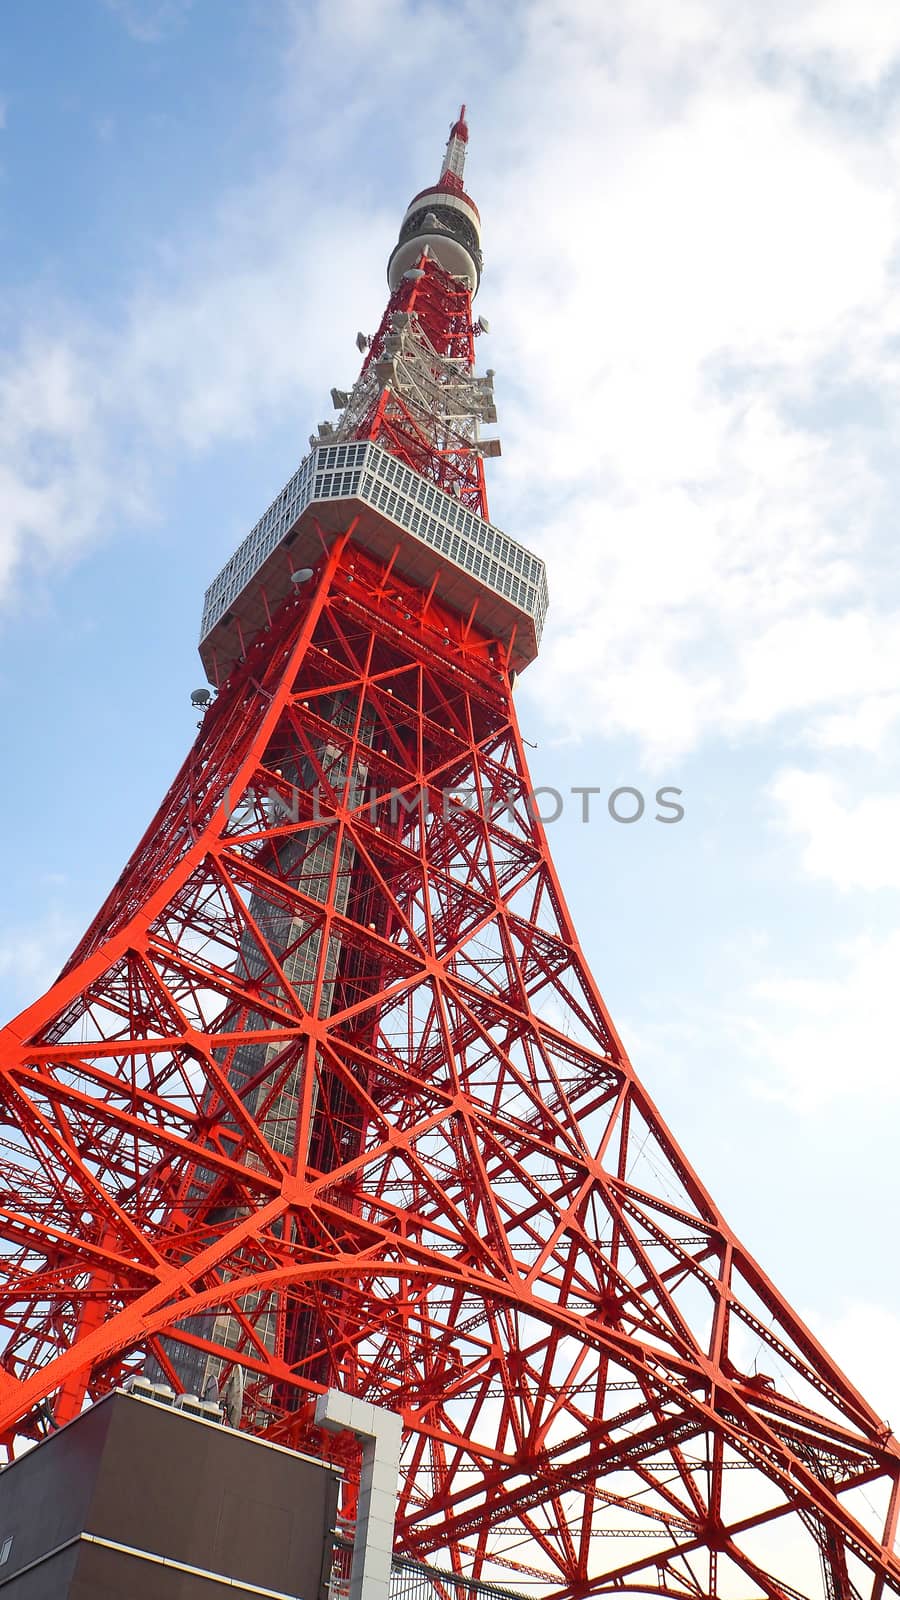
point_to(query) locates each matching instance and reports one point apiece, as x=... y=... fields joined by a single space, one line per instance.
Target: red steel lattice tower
x=327 y=1096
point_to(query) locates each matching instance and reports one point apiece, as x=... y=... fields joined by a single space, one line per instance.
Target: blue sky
x=691 y=233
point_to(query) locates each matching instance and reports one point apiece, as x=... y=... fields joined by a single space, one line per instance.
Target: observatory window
x=5 y=1549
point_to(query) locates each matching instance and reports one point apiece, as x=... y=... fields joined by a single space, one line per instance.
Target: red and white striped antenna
x=455 y=153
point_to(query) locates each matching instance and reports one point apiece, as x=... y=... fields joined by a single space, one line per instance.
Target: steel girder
x=328 y=1091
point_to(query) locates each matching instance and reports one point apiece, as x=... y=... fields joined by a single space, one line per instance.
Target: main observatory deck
x=437 y=541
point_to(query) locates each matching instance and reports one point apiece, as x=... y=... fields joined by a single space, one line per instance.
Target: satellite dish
x=339 y=398
x=211 y=1389
x=200 y=697
x=484 y=325
x=302 y=575
x=234 y=1397
x=362 y=342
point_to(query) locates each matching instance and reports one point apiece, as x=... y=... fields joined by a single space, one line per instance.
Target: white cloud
x=202 y=354
x=31 y=955
x=833 y=1036
x=691 y=250
x=150 y=21
x=863 y=728
x=54 y=475
x=846 y=837
x=861 y=42
x=707 y=270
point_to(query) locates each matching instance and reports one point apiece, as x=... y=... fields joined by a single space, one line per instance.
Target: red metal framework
x=470 y=1210
x=328 y=1093
x=442 y=308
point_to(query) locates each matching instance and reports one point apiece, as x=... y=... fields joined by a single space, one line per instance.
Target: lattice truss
x=418 y=393
x=327 y=1091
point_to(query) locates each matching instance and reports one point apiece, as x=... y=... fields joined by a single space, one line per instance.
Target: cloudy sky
x=691 y=231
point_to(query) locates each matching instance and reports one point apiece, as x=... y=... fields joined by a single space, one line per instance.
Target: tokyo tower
x=327 y=1096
